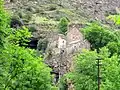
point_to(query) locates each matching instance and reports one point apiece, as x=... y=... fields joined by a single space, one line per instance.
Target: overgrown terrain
x=25 y=29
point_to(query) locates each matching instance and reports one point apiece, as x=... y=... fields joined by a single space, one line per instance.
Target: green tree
x=98 y=35
x=110 y=73
x=20 y=67
x=84 y=76
x=63 y=25
x=117 y=33
x=114 y=48
x=4 y=21
x=19 y=37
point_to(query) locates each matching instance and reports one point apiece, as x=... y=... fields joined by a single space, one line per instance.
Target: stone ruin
x=61 y=49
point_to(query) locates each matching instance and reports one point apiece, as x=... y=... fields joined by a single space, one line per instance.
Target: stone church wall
x=61 y=50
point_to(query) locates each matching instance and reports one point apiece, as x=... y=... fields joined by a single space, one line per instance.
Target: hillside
x=60 y=45
x=44 y=15
x=55 y=9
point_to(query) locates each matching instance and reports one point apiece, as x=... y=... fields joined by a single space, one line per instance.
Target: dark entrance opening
x=15 y=23
x=33 y=43
x=56 y=77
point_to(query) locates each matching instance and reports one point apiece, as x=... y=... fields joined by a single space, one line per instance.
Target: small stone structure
x=62 y=48
x=61 y=43
x=75 y=39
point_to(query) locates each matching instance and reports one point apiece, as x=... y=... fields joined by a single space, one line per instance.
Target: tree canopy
x=20 y=67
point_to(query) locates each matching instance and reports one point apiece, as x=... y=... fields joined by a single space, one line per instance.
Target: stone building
x=61 y=43
x=75 y=39
x=74 y=34
x=62 y=48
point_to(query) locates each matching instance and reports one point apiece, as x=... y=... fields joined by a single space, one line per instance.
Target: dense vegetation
x=63 y=25
x=105 y=45
x=98 y=35
x=22 y=69
x=85 y=74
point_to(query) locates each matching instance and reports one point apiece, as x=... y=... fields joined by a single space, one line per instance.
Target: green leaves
x=4 y=26
x=63 y=25
x=114 y=48
x=114 y=18
x=110 y=73
x=98 y=35
x=85 y=75
x=19 y=37
x=20 y=67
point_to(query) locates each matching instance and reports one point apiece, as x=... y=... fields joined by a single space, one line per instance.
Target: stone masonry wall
x=61 y=50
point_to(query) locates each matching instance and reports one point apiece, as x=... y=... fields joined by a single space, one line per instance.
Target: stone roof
x=74 y=33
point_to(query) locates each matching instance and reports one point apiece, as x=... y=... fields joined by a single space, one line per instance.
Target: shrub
x=20 y=67
x=19 y=37
x=98 y=35
x=4 y=24
x=114 y=48
x=84 y=76
x=63 y=25
x=114 y=18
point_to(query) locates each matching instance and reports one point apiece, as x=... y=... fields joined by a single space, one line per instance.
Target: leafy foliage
x=114 y=48
x=4 y=20
x=98 y=35
x=19 y=37
x=85 y=74
x=20 y=67
x=110 y=73
x=114 y=18
x=63 y=25
x=117 y=34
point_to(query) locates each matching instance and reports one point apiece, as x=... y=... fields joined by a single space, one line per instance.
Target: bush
x=63 y=25
x=4 y=24
x=20 y=67
x=54 y=88
x=114 y=18
x=84 y=77
x=114 y=48
x=98 y=35
x=19 y=37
